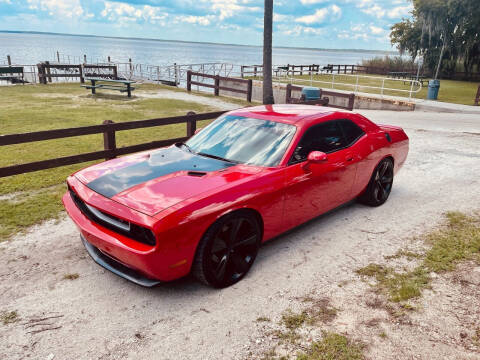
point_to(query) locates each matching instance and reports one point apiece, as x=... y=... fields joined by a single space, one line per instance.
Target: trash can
x=311 y=93
x=433 y=87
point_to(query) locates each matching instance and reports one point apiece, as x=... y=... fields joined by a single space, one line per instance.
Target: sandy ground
x=101 y=316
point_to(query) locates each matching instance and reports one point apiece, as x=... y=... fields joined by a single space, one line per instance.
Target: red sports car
x=206 y=205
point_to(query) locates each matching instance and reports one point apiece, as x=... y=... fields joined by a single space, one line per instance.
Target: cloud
x=332 y=12
x=200 y=20
x=375 y=10
x=280 y=17
x=230 y=8
x=63 y=8
x=299 y=29
x=123 y=12
x=376 y=30
x=310 y=2
x=399 y=11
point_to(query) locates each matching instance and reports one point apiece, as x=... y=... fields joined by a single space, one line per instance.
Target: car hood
x=153 y=181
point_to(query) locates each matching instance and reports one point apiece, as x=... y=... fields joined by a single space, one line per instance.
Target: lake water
x=28 y=49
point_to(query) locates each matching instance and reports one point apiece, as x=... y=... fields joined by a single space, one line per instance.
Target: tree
x=267 y=52
x=444 y=32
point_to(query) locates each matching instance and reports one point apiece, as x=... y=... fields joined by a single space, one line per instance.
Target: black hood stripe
x=160 y=163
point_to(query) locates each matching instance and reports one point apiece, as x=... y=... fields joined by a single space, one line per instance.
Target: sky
x=339 y=24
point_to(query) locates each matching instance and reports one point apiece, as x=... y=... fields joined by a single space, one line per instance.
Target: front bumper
x=116 y=267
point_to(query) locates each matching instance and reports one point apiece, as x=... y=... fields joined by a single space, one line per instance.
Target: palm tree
x=267 y=53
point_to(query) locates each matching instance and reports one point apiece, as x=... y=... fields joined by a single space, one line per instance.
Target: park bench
x=328 y=68
x=109 y=84
x=398 y=74
x=12 y=73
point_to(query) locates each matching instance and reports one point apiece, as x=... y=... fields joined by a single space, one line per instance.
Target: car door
x=312 y=189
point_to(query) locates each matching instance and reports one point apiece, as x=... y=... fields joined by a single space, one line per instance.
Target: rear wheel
x=227 y=250
x=380 y=185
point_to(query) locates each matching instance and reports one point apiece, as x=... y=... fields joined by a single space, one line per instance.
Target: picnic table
x=398 y=74
x=421 y=78
x=109 y=84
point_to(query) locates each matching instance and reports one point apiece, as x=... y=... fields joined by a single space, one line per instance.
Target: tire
x=227 y=250
x=380 y=184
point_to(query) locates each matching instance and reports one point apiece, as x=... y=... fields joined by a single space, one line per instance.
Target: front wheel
x=380 y=185
x=227 y=250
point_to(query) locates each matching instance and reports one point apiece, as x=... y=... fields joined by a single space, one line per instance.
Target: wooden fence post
x=109 y=141
x=189 y=80
x=241 y=71
x=288 y=94
x=191 y=125
x=176 y=73
x=9 y=60
x=477 y=98
x=80 y=72
x=58 y=57
x=250 y=88
x=351 y=100
x=47 y=68
x=115 y=71
x=217 y=85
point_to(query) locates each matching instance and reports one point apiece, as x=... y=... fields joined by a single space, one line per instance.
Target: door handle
x=349 y=158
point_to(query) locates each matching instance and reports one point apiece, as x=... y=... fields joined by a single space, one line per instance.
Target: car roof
x=294 y=114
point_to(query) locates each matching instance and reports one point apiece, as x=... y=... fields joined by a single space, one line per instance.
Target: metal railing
x=338 y=80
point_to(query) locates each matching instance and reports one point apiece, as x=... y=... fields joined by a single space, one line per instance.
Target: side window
x=351 y=131
x=326 y=137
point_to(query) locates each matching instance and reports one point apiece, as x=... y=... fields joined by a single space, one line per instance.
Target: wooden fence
x=257 y=70
x=47 y=71
x=108 y=129
x=350 y=97
x=477 y=98
x=216 y=85
x=93 y=71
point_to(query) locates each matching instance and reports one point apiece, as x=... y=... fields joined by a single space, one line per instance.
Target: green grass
x=457 y=241
x=452 y=91
x=8 y=317
x=36 y=196
x=73 y=276
x=333 y=346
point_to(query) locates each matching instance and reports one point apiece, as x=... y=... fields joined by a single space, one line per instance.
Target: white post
x=411 y=88
x=311 y=77
x=356 y=85
x=383 y=85
x=333 y=79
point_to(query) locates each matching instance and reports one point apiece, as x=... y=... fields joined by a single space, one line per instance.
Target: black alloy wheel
x=227 y=250
x=380 y=185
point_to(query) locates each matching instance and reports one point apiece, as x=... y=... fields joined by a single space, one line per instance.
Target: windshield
x=243 y=140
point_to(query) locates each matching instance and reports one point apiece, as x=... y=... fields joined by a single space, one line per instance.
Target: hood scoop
x=196 y=173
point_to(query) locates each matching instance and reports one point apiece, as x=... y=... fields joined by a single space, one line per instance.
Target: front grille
x=133 y=231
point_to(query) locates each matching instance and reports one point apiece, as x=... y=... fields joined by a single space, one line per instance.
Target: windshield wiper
x=218 y=158
x=178 y=144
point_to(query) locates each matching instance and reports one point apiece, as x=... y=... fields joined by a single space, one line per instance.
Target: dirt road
x=99 y=315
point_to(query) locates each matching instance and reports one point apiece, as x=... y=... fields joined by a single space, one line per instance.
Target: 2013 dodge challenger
x=205 y=206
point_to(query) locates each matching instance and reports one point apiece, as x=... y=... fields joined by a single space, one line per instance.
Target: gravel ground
x=101 y=316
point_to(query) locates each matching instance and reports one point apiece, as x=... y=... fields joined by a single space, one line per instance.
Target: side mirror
x=316 y=157
x=197 y=131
